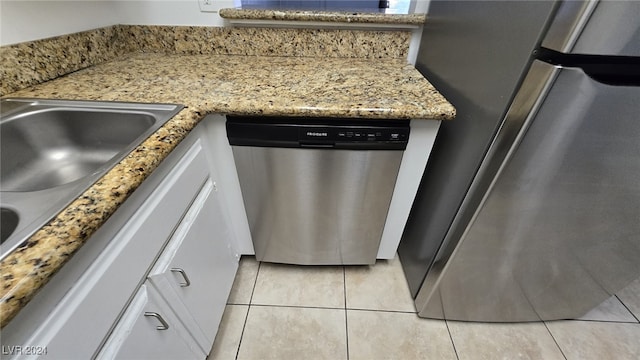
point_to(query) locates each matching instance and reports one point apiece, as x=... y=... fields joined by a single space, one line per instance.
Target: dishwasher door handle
x=318 y=145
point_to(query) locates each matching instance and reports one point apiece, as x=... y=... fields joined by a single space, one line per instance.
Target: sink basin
x=47 y=148
x=8 y=223
x=51 y=151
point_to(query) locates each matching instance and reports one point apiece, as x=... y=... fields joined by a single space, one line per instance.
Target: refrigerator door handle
x=606 y=69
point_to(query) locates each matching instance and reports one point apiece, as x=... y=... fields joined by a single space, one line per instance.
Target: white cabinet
x=195 y=272
x=176 y=313
x=188 y=285
x=149 y=330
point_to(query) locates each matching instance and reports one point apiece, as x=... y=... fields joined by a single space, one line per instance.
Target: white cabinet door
x=196 y=271
x=149 y=330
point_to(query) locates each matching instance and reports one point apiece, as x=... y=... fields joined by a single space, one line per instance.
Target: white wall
x=419 y=6
x=25 y=20
x=169 y=12
x=31 y=20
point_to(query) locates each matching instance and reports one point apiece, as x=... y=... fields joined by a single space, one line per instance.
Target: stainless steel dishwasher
x=316 y=191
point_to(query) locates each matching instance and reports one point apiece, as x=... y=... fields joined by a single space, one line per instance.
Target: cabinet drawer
x=196 y=271
x=149 y=330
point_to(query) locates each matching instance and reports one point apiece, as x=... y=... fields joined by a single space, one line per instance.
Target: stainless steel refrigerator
x=529 y=208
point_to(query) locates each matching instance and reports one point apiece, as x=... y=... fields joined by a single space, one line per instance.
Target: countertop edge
x=323 y=16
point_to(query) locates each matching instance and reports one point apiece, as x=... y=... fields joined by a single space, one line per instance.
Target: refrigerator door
x=558 y=231
x=475 y=53
x=608 y=28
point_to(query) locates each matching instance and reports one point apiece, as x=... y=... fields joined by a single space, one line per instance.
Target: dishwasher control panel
x=354 y=134
x=337 y=133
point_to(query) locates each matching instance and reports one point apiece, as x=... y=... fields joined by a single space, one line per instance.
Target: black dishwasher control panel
x=334 y=133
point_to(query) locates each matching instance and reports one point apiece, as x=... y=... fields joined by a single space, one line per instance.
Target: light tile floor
x=366 y=312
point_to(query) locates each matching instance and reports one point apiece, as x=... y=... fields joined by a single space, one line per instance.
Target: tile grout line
x=297 y=306
x=244 y=326
x=626 y=307
x=554 y=339
x=602 y=321
x=346 y=318
x=246 y=317
x=455 y=351
x=384 y=311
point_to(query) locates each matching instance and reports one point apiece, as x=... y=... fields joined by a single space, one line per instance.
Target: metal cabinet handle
x=164 y=325
x=186 y=282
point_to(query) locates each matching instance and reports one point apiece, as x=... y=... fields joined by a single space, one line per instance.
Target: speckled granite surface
x=31 y=63
x=292 y=42
x=330 y=86
x=270 y=41
x=258 y=85
x=325 y=16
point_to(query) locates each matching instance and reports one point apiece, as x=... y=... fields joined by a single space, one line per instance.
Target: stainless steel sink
x=9 y=221
x=53 y=150
x=46 y=148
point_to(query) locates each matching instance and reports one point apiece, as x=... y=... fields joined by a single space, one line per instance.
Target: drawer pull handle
x=186 y=282
x=164 y=325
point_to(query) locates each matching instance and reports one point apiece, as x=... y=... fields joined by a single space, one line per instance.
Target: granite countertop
x=256 y=85
x=324 y=16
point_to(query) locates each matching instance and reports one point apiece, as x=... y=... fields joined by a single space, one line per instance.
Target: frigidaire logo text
x=312 y=133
